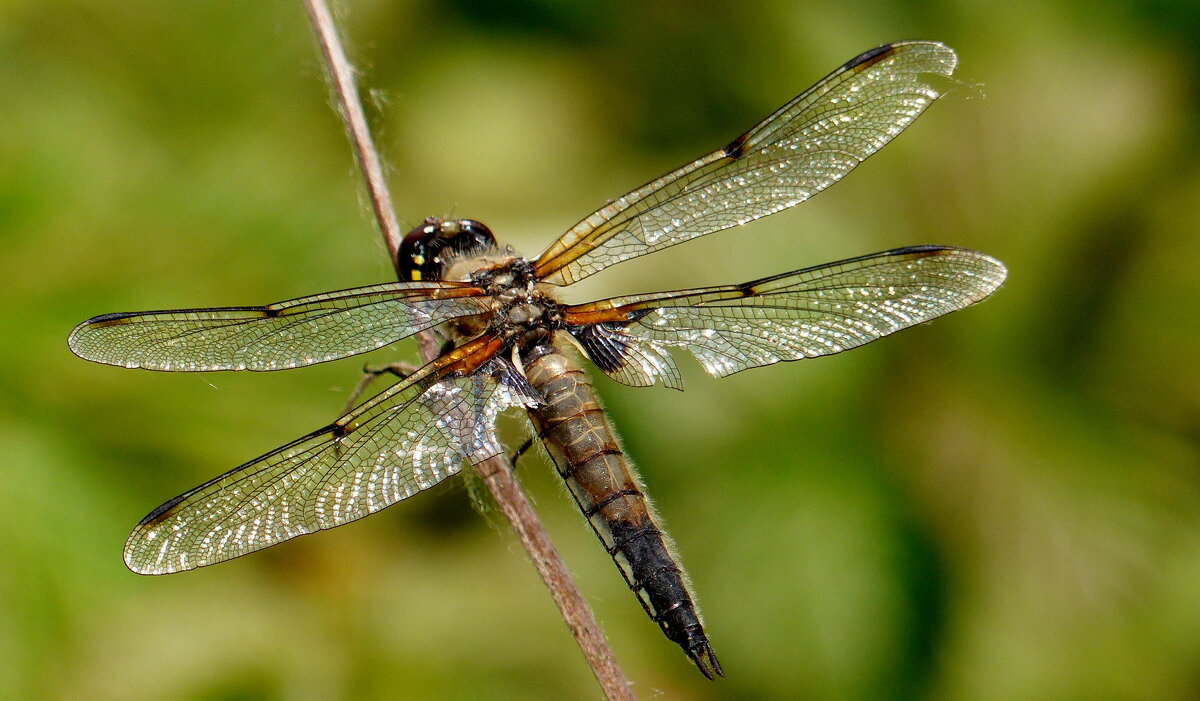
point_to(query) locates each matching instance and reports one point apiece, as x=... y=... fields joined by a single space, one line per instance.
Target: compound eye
x=476 y=228
x=414 y=256
x=423 y=249
x=473 y=236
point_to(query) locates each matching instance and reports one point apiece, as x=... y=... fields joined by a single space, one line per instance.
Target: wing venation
x=802 y=314
x=803 y=148
x=404 y=440
x=279 y=336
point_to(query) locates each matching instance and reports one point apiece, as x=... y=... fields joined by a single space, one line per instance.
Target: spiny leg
x=521 y=451
x=399 y=369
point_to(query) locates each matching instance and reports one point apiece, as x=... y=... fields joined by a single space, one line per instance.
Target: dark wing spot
x=161 y=513
x=870 y=58
x=748 y=289
x=603 y=345
x=736 y=147
x=114 y=319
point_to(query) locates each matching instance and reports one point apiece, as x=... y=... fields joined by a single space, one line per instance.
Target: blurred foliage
x=1001 y=505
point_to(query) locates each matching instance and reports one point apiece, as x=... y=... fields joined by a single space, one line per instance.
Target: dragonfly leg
x=400 y=369
x=521 y=451
x=540 y=436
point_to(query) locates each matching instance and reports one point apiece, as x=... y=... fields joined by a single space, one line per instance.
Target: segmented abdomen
x=576 y=431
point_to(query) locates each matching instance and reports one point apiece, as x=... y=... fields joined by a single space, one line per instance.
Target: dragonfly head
x=426 y=250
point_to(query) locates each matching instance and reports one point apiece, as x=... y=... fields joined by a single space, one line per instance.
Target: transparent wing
x=802 y=314
x=404 y=440
x=803 y=148
x=275 y=337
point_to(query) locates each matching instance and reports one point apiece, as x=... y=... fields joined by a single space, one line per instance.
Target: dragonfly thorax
x=523 y=312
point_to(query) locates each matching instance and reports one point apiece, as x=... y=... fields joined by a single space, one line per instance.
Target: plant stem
x=497 y=472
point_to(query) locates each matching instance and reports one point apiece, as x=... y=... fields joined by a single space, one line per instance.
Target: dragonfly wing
x=406 y=439
x=803 y=314
x=279 y=336
x=803 y=148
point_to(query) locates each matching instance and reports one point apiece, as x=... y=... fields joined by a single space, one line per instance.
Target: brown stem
x=497 y=473
x=502 y=483
x=342 y=74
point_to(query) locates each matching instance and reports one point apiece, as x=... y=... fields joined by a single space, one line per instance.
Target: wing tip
x=75 y=340
x=870 y=57
x=136 y=544
x=134 y=566
x=944 y=61
x=136 y=561
x=110 y=319
x=990 y=270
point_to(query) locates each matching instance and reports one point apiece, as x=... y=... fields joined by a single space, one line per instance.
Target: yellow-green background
x=1002 y=505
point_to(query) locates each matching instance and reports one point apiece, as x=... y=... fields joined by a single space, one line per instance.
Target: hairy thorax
x=523 y=311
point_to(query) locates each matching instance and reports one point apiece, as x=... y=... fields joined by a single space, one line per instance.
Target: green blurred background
x=1001 y=505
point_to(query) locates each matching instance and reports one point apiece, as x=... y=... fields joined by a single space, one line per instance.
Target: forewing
x=802 y=314
x=277 y=336
x=803 y=148
x=402 y=441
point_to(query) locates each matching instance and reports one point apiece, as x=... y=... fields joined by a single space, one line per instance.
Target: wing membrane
x=404 y=440
x=803 y=148
x=274 y=337
x=802 y=314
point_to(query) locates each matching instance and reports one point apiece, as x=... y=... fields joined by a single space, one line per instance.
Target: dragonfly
x=508 y=342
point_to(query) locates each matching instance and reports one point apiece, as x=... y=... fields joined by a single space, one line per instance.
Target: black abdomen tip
x=706 y=660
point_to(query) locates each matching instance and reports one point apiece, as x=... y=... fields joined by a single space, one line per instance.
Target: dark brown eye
x=414 y=255
x=421 y=252
x=472 y=237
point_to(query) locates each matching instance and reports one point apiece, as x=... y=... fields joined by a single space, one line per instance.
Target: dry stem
x=342 y=74
x=496 y=472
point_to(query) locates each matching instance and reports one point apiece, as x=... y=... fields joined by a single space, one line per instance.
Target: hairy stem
x=497 y=473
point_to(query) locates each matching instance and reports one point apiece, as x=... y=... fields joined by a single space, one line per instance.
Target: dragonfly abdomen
x=588 y=456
